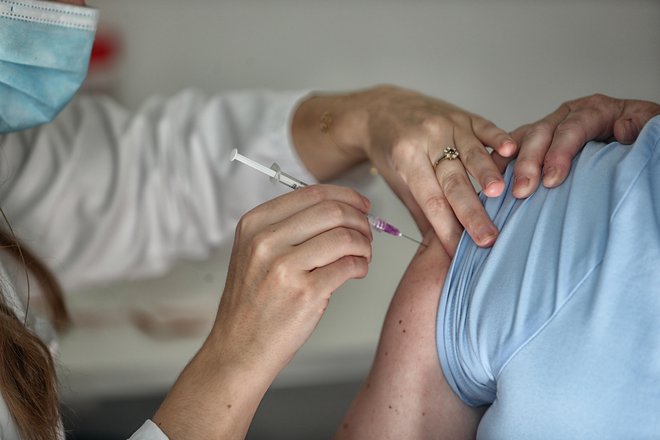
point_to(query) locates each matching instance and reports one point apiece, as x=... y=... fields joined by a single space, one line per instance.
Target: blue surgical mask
x=44 y=55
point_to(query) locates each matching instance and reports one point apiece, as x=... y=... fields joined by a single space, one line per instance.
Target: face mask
x=44 y=54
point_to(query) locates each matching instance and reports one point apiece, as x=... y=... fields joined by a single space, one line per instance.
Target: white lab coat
x=103 y=194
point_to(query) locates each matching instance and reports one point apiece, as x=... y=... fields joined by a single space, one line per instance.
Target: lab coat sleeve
x=103 y=194
x=149 y=431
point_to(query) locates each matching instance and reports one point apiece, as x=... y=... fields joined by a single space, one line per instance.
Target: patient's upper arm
x=405 y=394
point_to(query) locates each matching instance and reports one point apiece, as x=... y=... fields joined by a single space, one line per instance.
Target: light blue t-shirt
x=557 y=326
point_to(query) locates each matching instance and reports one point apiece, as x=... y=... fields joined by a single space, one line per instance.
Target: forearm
x=329 y=132
x=212 y=398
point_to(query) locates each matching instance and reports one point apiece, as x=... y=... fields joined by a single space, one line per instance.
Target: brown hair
x=27 y=371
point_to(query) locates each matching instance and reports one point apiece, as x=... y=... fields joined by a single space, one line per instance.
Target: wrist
x=329 y=132
x=238 y=359
x=226 y=393
x=349 y=125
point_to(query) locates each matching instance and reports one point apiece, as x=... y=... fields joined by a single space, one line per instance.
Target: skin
x=405 y=394
x=289 y=255
x=549 y=145
x=403 y=133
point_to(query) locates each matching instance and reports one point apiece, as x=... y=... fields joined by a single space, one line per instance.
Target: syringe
x=277 y=175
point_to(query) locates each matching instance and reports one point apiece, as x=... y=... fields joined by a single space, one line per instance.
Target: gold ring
x=449 y=153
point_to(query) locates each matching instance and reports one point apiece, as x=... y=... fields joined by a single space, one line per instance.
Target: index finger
x=279 y=208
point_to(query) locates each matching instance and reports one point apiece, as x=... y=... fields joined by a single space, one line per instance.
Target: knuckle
x=261 y=245
x=315 y=192
x=281 y=272
x=599 y=99
x=436 y=204
x=472 y=155
x=542 y=127
x=345 y=235
x=541 y=130
x=528 y=166
x=436 y=124
x=572 y=127
x=589 y=101
x=402 y=151
x=334 y=211
x=452 y=182
x=247 y=222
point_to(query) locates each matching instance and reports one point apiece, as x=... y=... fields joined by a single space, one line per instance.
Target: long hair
x=27 y=372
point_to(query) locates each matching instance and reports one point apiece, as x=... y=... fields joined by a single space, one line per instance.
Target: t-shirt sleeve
x=496 y=300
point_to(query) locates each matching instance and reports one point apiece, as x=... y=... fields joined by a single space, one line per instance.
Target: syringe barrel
x=382 y=226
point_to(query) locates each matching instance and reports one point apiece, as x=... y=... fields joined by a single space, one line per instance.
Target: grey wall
x=510 y=60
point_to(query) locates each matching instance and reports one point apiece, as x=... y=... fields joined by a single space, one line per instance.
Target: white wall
x=509 y=60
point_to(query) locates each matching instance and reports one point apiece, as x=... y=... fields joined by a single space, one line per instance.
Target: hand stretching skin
x=549 y=145
x=403 y=133
x=289 y=255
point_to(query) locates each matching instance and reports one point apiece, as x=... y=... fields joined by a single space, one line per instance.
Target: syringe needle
x=412 y=239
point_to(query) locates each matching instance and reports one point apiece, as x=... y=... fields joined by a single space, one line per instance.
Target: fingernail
x=521 y=186
x=508 y=148
x=494 y=187
x=367 y=202
x=550 y=176
x=486 y=235
x=520 y=182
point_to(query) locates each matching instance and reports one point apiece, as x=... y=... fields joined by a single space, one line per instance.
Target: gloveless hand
x=289 y=255
x=548 y=146
x=407 y=135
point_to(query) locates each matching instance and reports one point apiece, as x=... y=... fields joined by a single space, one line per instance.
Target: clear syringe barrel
x=382 y=226
x=277 y=175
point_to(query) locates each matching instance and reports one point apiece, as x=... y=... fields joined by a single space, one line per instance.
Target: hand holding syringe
x=276 y=175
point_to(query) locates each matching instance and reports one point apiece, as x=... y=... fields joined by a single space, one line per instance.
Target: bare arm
x=403 y=133
x=289 y=255
x=406 y=395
